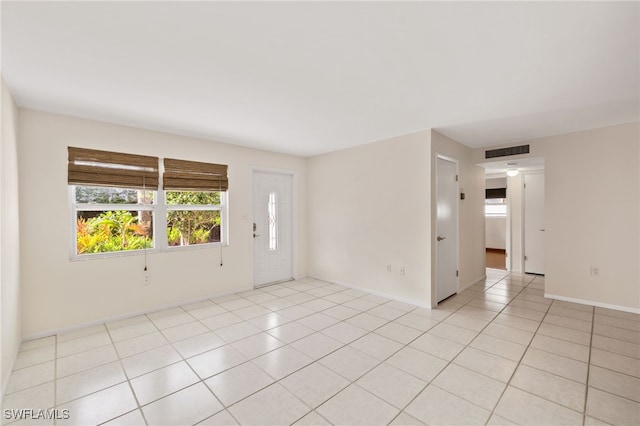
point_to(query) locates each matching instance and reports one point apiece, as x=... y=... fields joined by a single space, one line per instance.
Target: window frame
x=493 y=202
x=100 y=207
x=196 y=207
x=159 y=210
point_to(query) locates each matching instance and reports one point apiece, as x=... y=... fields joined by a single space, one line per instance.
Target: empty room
x=320 y=213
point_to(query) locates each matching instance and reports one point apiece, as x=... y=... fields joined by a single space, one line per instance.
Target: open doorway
x=510 y=227
x=496 y=222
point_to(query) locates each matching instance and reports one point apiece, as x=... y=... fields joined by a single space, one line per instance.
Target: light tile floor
x=312 y=353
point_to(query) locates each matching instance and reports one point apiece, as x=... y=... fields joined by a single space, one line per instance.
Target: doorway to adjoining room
x=496 y=222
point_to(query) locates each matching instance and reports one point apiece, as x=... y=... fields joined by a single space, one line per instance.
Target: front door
x=272 y=228
x=446 y=229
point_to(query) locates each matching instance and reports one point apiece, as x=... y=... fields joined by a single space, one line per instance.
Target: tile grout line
x=588 y=366
x=120 y=358
x=389 y=357
x=183 y=359
x=344 y=345
x=405 y=345
x=525 y=350
x=521 y=356
x=387 y=321
x=351 y=382
x=586 y=390
x=195 y=320
x=249 y=360
x=285 y=344
x=55 y=375
x=128 y=380
x=449 y=362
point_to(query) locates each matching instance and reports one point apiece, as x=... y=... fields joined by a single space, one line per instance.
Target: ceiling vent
x=505 y=152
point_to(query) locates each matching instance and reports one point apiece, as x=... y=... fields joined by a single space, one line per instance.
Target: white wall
x=472 y=258
x=495 y=182
x=369 y=206
x=10 y=312
x=59 y=293
x=496 y=232
x=515 y=213
x=592 y=214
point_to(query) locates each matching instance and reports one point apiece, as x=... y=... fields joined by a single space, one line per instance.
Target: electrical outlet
x=595 y=271
x=402 y=271
x=389 y=268
x=147 y=278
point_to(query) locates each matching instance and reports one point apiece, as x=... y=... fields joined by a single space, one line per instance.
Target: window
x=111 y=219
x=496 y=207
x=112 y=200
x=193 y=217
x=118 y=204
x=195 y=196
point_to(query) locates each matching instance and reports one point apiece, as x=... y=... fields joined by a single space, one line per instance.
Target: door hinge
x=524 y=185
x=525 y=258
x=456 y=178
x=456 y=273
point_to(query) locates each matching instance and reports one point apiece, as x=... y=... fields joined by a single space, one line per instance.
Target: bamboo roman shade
x=181 y=175
x=105 y=168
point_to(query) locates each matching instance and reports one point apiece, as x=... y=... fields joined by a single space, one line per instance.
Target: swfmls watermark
x=35 y=414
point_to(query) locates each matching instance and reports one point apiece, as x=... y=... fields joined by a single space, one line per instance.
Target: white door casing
x=272 y=227
x=446 y=228
x=534 y=228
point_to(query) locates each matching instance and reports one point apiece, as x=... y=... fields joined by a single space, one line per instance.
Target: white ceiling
x=306 y=78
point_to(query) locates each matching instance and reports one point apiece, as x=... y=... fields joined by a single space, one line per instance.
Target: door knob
x=441 y=238
x=542 y=230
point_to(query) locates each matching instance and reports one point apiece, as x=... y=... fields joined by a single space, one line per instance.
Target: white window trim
x=159 y=209
x=495 y=204
x=202 y=207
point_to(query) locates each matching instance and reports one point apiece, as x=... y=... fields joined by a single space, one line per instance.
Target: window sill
x=111 y=255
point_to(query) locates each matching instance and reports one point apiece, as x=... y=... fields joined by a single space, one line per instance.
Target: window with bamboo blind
x=123 y=202
x=195 y=197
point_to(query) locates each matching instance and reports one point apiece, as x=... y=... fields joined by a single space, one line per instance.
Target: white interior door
x=534 y=223
x=446 y=229
x=272 y=227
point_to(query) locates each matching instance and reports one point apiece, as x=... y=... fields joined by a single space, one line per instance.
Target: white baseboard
x=592 y=303
x=129 y=315
x=477 y=280
x=377 y=293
